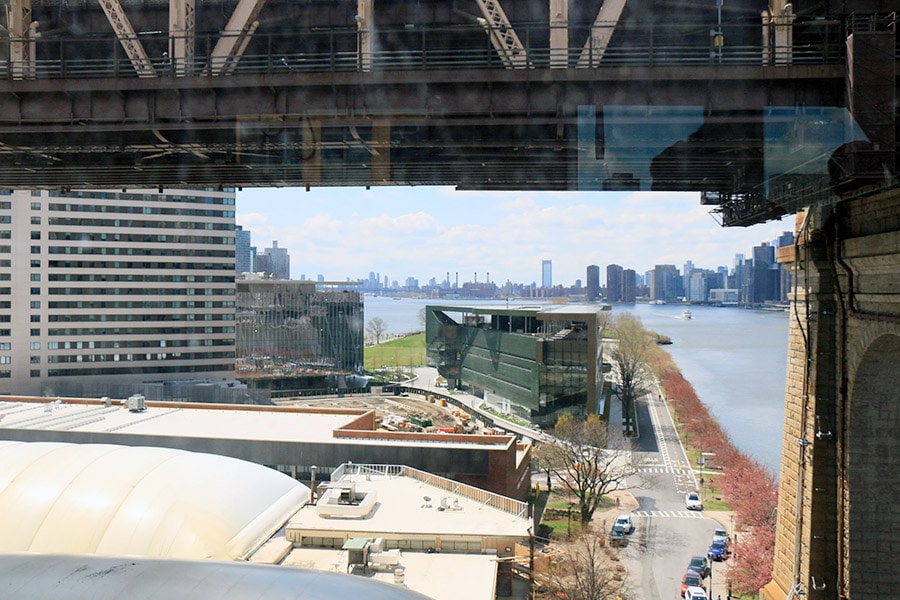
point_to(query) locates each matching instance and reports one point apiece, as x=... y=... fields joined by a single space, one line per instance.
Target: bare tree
x=589 y=459
x=630 y=355
x=376 y=328
x=585 y=569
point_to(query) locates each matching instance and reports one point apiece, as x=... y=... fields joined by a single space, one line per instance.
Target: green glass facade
x=533 y=362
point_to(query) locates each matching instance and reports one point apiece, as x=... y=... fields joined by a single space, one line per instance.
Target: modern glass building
x=534 y=362
x=100 y=288
x=297 y=329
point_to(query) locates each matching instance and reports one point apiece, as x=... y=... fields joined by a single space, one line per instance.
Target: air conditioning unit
x=136 y=403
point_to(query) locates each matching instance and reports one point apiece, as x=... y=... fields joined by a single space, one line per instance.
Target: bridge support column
x=840 y=470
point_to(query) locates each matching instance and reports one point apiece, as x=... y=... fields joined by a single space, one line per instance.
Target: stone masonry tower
x=838 y=515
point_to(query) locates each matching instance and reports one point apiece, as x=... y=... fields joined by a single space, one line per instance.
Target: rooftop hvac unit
x=136 y=403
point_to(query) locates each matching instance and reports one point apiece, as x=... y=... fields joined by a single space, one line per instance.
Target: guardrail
x=428 y=48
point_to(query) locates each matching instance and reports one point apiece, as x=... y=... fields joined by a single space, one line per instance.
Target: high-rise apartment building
x=108 y=287
x=547 y=274
x=613 y=283
x=592 y=291
x=275 y=262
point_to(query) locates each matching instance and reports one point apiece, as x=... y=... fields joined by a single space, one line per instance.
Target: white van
x=695 y=593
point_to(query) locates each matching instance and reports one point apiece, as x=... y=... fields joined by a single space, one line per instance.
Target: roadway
x=666 y=533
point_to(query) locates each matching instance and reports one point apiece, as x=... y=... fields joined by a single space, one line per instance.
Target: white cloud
x=427 y=232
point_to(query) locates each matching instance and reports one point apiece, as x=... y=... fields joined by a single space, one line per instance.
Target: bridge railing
x=430 y=48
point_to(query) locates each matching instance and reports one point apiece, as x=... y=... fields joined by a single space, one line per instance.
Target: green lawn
x=407 y=351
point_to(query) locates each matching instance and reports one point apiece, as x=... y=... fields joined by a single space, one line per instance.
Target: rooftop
x=442 y=528
x=229 y=421
x=411 y=502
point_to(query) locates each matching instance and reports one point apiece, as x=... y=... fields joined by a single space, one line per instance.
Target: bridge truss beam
x=128 y=38
x=234 y=39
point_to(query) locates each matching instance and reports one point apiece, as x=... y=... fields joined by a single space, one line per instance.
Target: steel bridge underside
x=761 y=132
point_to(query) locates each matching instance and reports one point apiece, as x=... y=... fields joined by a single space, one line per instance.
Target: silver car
x=692 y=501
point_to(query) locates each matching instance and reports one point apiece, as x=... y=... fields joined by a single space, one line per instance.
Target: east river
x=735 y=358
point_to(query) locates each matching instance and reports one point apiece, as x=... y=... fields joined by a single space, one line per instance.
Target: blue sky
x=424 y=232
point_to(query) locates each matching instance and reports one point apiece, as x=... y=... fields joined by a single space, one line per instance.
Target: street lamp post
x=531 y=562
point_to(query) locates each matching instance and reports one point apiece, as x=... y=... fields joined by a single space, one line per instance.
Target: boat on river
x=686 y=314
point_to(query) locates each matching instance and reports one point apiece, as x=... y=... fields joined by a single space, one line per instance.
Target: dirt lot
x=402 y=406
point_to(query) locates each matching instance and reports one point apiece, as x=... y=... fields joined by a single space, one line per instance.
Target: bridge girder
x=288 y=94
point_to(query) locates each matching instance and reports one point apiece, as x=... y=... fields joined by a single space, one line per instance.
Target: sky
x=426 y=232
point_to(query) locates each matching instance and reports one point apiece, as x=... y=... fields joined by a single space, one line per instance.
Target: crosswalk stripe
x=684 y=514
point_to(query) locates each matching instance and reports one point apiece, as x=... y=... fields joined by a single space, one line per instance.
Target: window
x=35 y=291
x=5 y=346
x=35 y=360
x=35 y=235
x=35 y=345
x=35 y=372
x=35 y=318
x=35 y=263
x=35 y=249
x=35 y=332
x=5 y=360
x=35 y=276
x=35 y=304
x=35 y=220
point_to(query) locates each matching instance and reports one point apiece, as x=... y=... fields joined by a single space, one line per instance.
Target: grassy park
x=408 y=351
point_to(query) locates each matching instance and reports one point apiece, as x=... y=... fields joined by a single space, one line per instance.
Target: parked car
x=718 y=551
x=691 y=579
x=699 y=564
x=695 y=593
x=692 y=501
x=625 y=522
x=721 y=535
x=616 y=535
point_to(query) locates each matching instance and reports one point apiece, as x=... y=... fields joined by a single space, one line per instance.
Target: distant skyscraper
x=785 y=276
x=741 y=278
x=765 y=278
x=277 y=262
x=664 y=285
x=629 y=286
x=243 y=257
x=613 y=283
x=686 y=274
x=547 y=273
x=593 y=282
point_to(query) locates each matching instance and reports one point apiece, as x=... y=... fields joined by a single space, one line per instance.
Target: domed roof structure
x=138 y=501
x=41 y=576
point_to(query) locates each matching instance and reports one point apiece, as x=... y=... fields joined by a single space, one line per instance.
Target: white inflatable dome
x=97 y=499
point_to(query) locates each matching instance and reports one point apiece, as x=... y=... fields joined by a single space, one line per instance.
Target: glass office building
x=531 y=362
x=296 y=329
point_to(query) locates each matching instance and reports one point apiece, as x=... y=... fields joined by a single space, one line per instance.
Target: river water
x=736 y=359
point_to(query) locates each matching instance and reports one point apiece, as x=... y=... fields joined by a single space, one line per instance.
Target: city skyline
x=425 y=232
